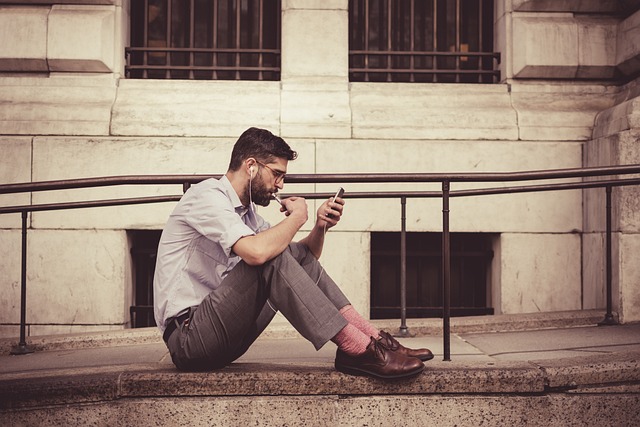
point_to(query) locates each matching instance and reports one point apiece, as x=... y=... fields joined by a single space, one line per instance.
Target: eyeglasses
x=279 y=176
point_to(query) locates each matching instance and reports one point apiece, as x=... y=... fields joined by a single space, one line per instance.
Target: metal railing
x=446 y=193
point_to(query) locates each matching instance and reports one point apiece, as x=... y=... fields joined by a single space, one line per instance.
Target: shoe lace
x=379 y=348
x=389 y=342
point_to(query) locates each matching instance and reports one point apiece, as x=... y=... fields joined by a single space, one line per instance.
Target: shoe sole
x=362 y=372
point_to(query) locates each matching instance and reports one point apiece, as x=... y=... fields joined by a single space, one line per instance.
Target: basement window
x=144 y=250
x=471 y=255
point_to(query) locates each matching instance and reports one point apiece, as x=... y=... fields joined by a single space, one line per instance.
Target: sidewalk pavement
x=467 y=348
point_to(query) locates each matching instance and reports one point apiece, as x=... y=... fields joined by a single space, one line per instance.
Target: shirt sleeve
x=211 y=214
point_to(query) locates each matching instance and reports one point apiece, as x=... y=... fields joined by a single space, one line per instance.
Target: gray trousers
x=231 y=317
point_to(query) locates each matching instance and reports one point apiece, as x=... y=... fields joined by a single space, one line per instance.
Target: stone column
x=616 y=141
x=315 y=48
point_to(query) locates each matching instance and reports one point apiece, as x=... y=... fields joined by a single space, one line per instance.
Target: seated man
x=222 y=272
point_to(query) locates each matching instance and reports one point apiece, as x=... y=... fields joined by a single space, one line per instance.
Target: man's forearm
x=258 y=249
x=315 y=240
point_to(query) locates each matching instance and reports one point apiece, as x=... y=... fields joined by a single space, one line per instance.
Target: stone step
x=575 y=391
x=569 y=376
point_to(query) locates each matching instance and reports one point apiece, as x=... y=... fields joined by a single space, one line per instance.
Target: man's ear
x=251 y=164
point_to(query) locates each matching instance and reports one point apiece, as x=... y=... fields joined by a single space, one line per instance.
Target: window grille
x=204 y=40
x=471 y=256
x=444 y=41
x=144 y=250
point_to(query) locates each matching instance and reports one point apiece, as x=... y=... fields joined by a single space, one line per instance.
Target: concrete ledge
x=66 y=387
x=591 y=370
x=281 y=383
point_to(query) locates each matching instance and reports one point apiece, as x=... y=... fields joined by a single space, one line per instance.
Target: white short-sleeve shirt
x=194 y=253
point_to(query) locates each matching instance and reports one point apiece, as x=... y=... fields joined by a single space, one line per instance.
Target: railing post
x=22 y=347
x=446 y=272
x=608 y=317
x=404 y=331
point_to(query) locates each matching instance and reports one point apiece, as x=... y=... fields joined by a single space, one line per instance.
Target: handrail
x=352 y=195
x=329 y=178
x=444 y=178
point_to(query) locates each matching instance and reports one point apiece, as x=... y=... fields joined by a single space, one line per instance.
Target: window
x=444 y=41
x=204 y=39
x=144 y=249
x=471 y=257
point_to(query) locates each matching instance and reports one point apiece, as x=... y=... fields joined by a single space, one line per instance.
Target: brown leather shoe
x=378 y=362
x=392 y=344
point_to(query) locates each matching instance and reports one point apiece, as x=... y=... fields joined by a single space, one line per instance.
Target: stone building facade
x=568 y=97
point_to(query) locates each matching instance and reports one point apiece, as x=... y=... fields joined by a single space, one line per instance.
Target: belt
x=174 y=322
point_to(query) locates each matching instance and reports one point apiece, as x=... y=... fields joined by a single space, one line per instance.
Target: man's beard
x=260 y=194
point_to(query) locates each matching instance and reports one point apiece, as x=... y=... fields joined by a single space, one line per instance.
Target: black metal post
x=404 y=331
x=608 y=317
x=22 y=347
x=446 y=273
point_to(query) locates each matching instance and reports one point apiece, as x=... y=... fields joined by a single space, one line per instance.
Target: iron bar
x=480 y=30
x=192 y=37
x=260 y=38
x=434 y=61
x=494 y=55
x=214 y=39
x=608 y=317
x=233 y=50
x=352 y=195
x=418 y=71
x=238 y=7
x=366 y=37
x=202 y=68
x=145 y=29
x=404 y=331
x=22 y=347
x=412 y=39
x=333 y=178
x=457 y=42
x=168 y=37
x=446 y=273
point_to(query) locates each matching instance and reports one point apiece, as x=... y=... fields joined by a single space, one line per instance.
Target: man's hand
x=295 y=207
x=260 y=248
x=329 y=212
x=328 y=215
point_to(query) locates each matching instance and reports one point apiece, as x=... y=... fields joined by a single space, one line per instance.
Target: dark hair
x=260 y=144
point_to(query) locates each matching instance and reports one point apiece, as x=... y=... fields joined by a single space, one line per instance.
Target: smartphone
x=339 y=193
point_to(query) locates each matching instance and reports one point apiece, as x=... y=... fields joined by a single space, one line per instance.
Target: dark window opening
x=443 y=41
x=204 y=40
x=471 y=255
x=144 y=249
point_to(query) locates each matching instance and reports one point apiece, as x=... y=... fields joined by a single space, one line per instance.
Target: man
x=222 y=272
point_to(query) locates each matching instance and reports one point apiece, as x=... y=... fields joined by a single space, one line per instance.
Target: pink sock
x=354 y=318
x=351 y=340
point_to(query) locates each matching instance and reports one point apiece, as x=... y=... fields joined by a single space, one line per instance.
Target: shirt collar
x=233 y=196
